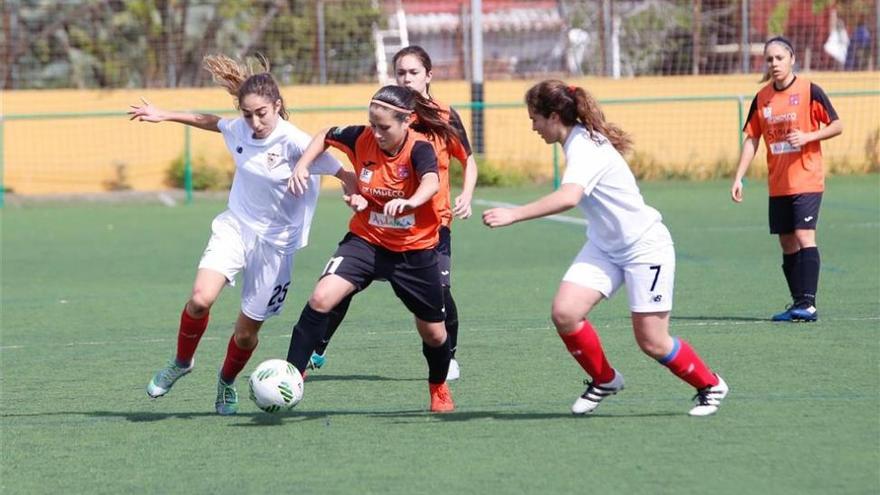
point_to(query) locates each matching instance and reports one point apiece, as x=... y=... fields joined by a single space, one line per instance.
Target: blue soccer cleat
x=806 y=314
x=784 y=316
x=316 y=361
x=165 y=378
x=227 y=399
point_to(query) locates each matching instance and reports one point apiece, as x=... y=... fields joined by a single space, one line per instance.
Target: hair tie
x=571 y=89
x=390 y=106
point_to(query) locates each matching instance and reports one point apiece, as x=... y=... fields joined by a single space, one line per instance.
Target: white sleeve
x=584 y=165
x=325 y=164
x=225 y=125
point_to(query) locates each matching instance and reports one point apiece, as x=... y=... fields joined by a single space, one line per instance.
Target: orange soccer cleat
x=441 y=398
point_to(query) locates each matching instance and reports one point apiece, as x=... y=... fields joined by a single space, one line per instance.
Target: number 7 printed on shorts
x=656 y=269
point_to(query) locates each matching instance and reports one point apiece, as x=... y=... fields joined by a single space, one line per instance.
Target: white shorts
x=266 y=271
x=649 y=275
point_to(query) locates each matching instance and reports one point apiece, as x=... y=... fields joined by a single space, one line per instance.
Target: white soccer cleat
x=454 y=372
x=589 y=401
x=709 y=399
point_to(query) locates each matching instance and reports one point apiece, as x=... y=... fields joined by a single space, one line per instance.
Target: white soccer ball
x=276 y=386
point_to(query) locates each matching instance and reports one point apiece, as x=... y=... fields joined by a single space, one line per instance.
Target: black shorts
x=414 y=275
x=795 y=212
x=444 y=255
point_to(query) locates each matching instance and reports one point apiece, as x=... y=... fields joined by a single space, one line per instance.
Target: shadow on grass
x=257 y=418
x=317 y=376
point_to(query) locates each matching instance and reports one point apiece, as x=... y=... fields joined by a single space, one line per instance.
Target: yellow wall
x=83 y=154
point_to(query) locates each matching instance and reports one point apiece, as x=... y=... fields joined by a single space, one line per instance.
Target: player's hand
x=462 y=208
x=355 y=201
x=299 y=180
x=797 y=138
x=397 y=206
x=145 y=112
x=498 y=217
x=736 y=191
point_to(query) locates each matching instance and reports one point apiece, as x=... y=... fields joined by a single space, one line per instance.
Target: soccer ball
x=276 y=385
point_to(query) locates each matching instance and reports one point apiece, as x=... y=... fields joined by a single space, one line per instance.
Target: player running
x=788 y=113
x=628 y=245
x=262 y=228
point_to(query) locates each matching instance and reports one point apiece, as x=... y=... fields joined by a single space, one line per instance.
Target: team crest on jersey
x=403 y=171
x=794 y=99
x=768 y=112
x=366 y=175
x=272 y=160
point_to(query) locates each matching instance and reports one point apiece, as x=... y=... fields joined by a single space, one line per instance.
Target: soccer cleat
x=783 y=316
x=709 y=399
x=807 y=313
x=441 y=398
x=316 y=361
x=589 y=401
x=165 y=378
x=227 y=399
x=454 y=372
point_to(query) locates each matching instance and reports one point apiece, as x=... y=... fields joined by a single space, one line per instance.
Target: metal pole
x=740 y=105
x=606 y=35
x=477 y=75
x=745 y=46
x=322 y=53
x=187 y=165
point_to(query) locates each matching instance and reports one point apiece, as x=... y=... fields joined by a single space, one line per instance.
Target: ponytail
x=241 y=80
x=575 y=105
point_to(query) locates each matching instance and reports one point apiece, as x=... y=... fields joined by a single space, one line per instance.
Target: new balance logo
x=807 y=219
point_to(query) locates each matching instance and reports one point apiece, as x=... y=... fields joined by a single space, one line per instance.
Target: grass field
x=91 y=295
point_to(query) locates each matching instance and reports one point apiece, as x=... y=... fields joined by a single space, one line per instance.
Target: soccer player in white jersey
x=260 y=231
x=628 y=245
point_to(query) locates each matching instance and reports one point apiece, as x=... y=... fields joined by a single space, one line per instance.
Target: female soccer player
x=394 y=231
x=412 y=66
x=260 y=231
x=628 y=245
x=788 y=112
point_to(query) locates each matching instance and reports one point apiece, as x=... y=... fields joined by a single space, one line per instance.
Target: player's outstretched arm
x=147 y=112
x=299 y=179
x=562 y=199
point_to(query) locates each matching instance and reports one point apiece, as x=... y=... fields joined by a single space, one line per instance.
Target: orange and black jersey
x=774 y=113
x=382 y=178
x=456 y=147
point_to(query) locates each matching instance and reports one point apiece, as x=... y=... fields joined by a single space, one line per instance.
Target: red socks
x=586 y=348
x=684 y=363
x=188 y=336
x=236 y=359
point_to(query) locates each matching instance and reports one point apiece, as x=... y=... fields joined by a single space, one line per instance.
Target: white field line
x=409 y=331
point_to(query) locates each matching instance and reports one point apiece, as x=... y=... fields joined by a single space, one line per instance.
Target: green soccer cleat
x=227 y=399
x=165 y=378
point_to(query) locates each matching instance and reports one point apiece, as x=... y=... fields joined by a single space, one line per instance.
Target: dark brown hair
x=417 y=52
x=784 y=43
x=430 y=121
x=241 y=80
x=575 y=105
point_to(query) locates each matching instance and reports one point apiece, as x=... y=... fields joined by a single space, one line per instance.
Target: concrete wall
x=694 y=138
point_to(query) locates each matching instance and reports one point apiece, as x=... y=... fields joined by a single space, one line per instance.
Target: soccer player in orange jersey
x=788 y=113
x=394 y=231
x=412 y=68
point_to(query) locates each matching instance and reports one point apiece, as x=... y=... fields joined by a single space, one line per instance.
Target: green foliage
x=778 y=19
x=205 y=176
